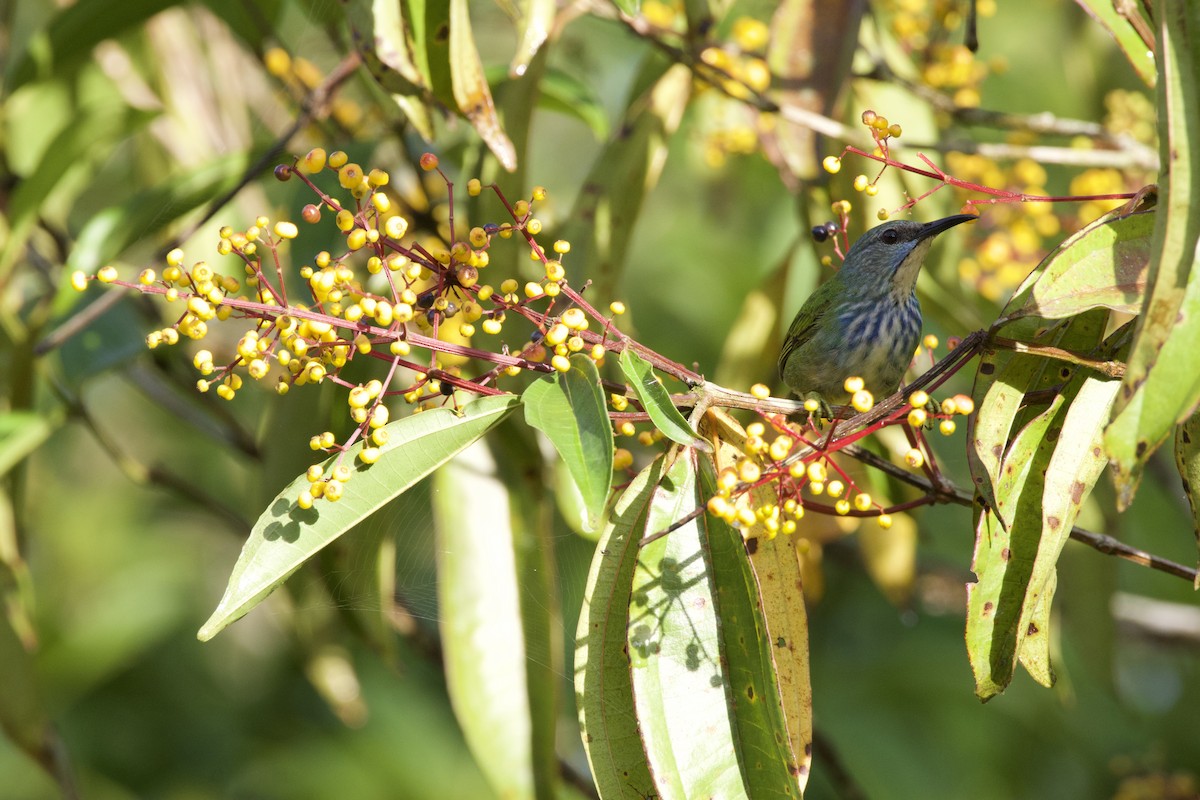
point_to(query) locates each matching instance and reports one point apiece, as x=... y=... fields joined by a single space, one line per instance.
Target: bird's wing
x=804 y=325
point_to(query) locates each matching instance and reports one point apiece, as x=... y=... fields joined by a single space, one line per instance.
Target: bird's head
x=889 y=256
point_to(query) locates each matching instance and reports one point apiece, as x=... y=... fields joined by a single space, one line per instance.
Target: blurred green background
x=122 y=122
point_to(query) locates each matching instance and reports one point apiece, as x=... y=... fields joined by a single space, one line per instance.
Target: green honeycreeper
x=865 y=321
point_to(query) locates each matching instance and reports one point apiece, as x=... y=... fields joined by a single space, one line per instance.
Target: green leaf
x=603 y=218
x=1162 y=383
x=1034 y=650
x=563 y=93
x=68 y=41
x=657 y=402
x=384 y=41
x=110 y=232
x=1104 y=265
x=603 y=687
x=1048 y=472
x=1004 y=378
x=761 y=735
x=1125 y=32
x=1004 y=557
x=1187 y=459
x=776 y=566
x=569 y=408
x=22 y=432
x=286 y=535
x=470 y=87
x=94 y=128
x=678 y=673
x=486 y=564
x=537 y=18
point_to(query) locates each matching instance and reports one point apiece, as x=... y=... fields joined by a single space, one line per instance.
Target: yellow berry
x=761 y=391
x=474 y=187
x=862 y=401
x=835 y=488
x=748 y=471
x=946 y=427
x=917 y=417
x=286 y=230
x=533 y=290
x=79 y=280
x=832 y=164
x=338 y=159
x=918 y=399
x=314 y=161
x=862 y=501
x=816 y=471
x=356 y=239
x=616 y=307
x=561 y=363
x=949 y=406
x=930 y=341
x=860 y=182
x=885 y=521
x=965 y=405
x=107 y=274
x=842 y=507
x=914 y=458
x=622 y=459
x=369 y=455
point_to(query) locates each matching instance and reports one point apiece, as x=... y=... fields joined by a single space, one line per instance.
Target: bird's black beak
x=932 y=229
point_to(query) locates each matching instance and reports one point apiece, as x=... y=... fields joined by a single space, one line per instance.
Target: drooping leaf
x=778 y=571
x=1004 y=555
x=602 y=220
x=537 y=18
x=481 y=584
x=22 y=432
x=472 y=94
x=384 y=41
x=286 y=535
x=1127 y=32
x=1104 y=265
x=762 y=737
x=657 y=401
x=1034 y=650
x=569 y=408
x=109 y=233
x=1004 y=378
x=604 y=691
x=675 y=652
x=1048 y=472
x=1187 y=459
x=95 y=128
x=68 y=41
x=1161 y=387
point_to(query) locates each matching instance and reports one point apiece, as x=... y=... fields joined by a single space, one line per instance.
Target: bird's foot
x=816 y=406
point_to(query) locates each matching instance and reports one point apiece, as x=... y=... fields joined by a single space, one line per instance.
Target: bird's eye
x=889 y=236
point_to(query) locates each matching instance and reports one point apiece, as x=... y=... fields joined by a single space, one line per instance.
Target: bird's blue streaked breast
x=880 y=337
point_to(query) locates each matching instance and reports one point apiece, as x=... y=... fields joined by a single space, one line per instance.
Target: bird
x=865 y=321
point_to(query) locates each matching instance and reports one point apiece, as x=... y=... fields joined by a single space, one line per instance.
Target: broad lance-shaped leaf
x=286 y=535
x=1105 y=265
x=537 y=18
x=675 y=652
x=1003 y=379
x=657 y=402
x=603 y=218
x=753 y=686
x=1187 y=459
x=569 y=408
x=1048 y=472
x=1004 y=557
x=1161 y=387
x=381 y=36
x=1077 y=462
x=1126 y=28
x=777 y=569
x=603 y=687
x=470 y=87
x=481 y=609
